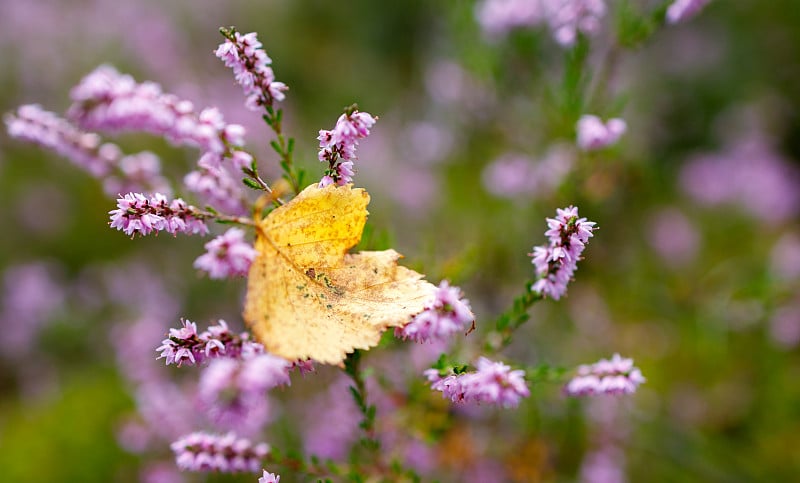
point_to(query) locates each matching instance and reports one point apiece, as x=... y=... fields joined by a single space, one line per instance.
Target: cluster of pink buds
x=245 y=55
x=607 y=376
x=106 y=100
x=208 y=452
x=228 y=255
x=492 y=383
x=338 y=146
x=120 y=173
x=567 y=18
x=233 y=391
x=556 y=263
x=142 y=215
x=447 y=313
x=594 y=134
x=186 y=346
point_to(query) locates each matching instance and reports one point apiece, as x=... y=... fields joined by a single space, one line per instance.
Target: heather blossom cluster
x=244 y=54
x=228 y=255
x=556 y=263
x=138 y=214
x=606 y=376
x=566 y=18
x=103 y=160
x=238 y=373
x=227 y=453
x=233 y=391
x=492 y=383
x=594 y=134
x=338 y=146
x=447 y=313
x=185 y=346
x=106 y=100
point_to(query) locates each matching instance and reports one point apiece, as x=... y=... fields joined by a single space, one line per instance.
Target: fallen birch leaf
x=308 y=298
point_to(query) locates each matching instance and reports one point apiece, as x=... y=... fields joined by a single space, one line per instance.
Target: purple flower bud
x=607 y=376
x=492 y=383
x=443 y=316
x=228 y=255
x=594 y=134
x=269 y=478
x=338 y=146
x=556 y=263
x=208 y=452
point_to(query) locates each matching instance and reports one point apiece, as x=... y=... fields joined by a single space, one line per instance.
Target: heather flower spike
x=106 y=100
x=209 y=452
x=269 y=478
x=492 y=383
x=185 y=346
x=245 y=55
x=556 y=263
x=594 y=134
x=142 y=215
x=338 y=146
x=447 y=313
x=103 y=160
x=228 y=255
x=607 y=376
x=233 y=392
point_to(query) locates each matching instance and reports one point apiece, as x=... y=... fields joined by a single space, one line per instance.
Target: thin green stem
x=511 y=319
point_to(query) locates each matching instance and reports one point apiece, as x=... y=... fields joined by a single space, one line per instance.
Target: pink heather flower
x=233 y=392
x=241 y=159
x=250 y=64
x=607 y=376
x=682 y=10
x=515 y=175
x=594 y=134
x=109 y=101
x=305 y=367
x=133 y=172
x=216 y=186
x=34 y=124
x=447 y=313
x=556 y=263
x=568 y=17
x=139 y=214
x=748 y=172
x=186 y=346
x=338 y=147
x=496 y=17
x=269 y=478
x=140 y=171
x=208 y=452
x=228 y=255
x=492 y=383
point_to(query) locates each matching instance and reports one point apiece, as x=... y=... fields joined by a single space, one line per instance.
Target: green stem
x=512 y=319
x=359 y=392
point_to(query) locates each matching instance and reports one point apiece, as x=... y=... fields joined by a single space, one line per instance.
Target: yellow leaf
x=308 y=298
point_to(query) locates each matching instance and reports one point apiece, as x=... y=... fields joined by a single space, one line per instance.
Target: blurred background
x=694 y=273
